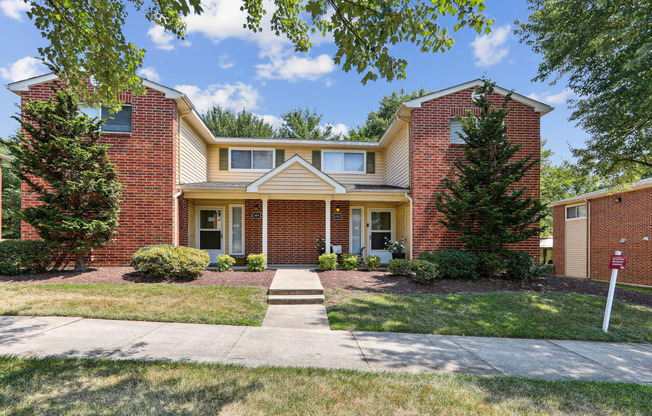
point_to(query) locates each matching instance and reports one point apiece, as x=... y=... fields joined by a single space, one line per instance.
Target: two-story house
x=239 y=196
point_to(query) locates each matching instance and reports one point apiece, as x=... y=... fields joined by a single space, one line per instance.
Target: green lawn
x=501 y=314
x=80 y=387
x=139 y=302
x=643 y=289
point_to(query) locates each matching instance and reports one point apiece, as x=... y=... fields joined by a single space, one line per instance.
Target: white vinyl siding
x=193 y=157
x=296 y=179
x=398 y=161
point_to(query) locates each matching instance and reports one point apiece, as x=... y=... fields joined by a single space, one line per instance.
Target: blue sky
x=220 y=62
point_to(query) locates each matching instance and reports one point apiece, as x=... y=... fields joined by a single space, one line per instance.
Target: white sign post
x=618 y=262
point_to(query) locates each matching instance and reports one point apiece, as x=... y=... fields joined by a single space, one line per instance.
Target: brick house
x=589 y=228
x=278 y=196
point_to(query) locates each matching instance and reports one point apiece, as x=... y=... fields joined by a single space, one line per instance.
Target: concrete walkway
x=366 y=351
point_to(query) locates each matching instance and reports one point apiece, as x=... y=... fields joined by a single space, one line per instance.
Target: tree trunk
x=80 y=263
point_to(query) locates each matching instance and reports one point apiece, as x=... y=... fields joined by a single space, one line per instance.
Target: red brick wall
x=145 y=161
x=431 y=155
x=182 y=210
x=340 y=228
x=559 y=239
x=611 y=221
x=253 y=228
x=293 y=229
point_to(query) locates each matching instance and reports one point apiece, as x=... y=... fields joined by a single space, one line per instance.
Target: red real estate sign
x=618 y=262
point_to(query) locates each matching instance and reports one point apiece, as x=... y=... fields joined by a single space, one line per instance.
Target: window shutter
x=280 y=157
x=316 y=159
x=371 y=162
x=224 y=158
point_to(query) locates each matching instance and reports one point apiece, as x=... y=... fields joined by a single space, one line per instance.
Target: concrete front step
x=300 y=292
x=295 y=299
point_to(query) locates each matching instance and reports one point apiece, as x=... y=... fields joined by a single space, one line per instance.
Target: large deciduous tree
x=484 y=201
x=59 y=158
x=223 y=122
x=87 y=35
x=304 y=124
x=604 y=47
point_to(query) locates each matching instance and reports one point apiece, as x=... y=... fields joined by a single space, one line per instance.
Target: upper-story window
x=456 y=129
x=576 y=211
x=115 y=122
x=344 y=162
x=251 y=159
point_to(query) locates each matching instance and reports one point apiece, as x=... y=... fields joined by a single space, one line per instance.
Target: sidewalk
x=365 y=351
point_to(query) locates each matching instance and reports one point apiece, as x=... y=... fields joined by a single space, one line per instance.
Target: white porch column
x=328 y=225
x=264 y=198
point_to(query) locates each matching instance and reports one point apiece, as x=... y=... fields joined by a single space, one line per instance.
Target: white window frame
x=363 y=224
x=98 y=116
x=576 y=205
x=231 y=229
x=199 y=229
x=347 y=172
x=252 y=160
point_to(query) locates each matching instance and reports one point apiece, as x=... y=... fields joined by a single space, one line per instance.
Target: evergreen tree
x=10 y=197
x=304 y=124
x=225 y=123
x=484 y=201
x=59 y=158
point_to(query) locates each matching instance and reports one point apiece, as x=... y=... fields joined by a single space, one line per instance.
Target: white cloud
x=294 y=68
x=238 y=96
x=276 y=122
x=550 y=98
x=23 y=68
x=491 y=49
x=225 y=61
x=160 y=38
x=14 y=8
x=150 y=73
x=340 y=129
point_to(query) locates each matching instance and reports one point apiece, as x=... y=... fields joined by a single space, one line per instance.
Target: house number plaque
x=255 y=215
x=337 y=216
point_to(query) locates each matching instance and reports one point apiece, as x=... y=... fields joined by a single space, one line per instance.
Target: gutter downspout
x=410 y=199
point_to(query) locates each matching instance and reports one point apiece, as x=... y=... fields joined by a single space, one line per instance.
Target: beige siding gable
x=193 y=160
x=398 y=160
x=296 y=179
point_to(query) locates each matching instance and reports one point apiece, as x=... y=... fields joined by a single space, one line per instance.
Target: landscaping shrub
x=490 y=264
x=453 y=264
x=328 y=262
x=373 y=263
x=174 y=262
x=400 y=267
x=349 y=262
x=538 y=269
x=224 y=262
x=424 y=271
x=18 y=257
x=520 y=265
x=256 y=262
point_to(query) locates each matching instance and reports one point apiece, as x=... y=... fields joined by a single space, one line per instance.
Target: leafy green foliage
x=424 y=271
x=224 y=262
x=400 y=267
x=58 y=157
x=484 y=202
x=225 y=123
x=304 y=124
x=604 y=48
x=520 y=265
x=349 y=261
x=378 y=121
x=10 y=197
x=373 y=263
x=453 y=264
x=256 y=262
x=170 y=262
x=18 y=257
x=87 y=37
x=328 y=262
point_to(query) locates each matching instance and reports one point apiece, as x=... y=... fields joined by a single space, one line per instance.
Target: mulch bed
x=384 y=282
x=115 y=275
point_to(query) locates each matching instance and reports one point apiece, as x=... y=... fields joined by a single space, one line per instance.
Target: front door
x=381 y=228
x=210 y=233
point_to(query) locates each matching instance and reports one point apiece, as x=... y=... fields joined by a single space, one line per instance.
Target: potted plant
x=396 y=248
x=321 y=245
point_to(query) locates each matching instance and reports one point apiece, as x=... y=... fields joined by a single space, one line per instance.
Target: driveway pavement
x=365 y=351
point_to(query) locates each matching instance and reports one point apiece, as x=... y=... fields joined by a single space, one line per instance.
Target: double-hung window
x=344 y=162
x=251 y=159
x=115 y=122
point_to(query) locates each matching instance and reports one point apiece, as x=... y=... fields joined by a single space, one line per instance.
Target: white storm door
x=210 y=232
x=381 y=228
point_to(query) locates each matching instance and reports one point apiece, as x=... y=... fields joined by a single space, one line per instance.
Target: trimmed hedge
x=349 y=262
x=453 y=264
x=400 y=267
x=224 y=262
x=328 y=262
x=373 y=263
x=167 y=261
x=424 y=271
x=18 y=257
x=256 y=262
x=520 y=265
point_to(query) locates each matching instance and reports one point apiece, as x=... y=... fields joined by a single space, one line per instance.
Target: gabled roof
x=338 y=187
x=4 y=157
x=642 y=184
